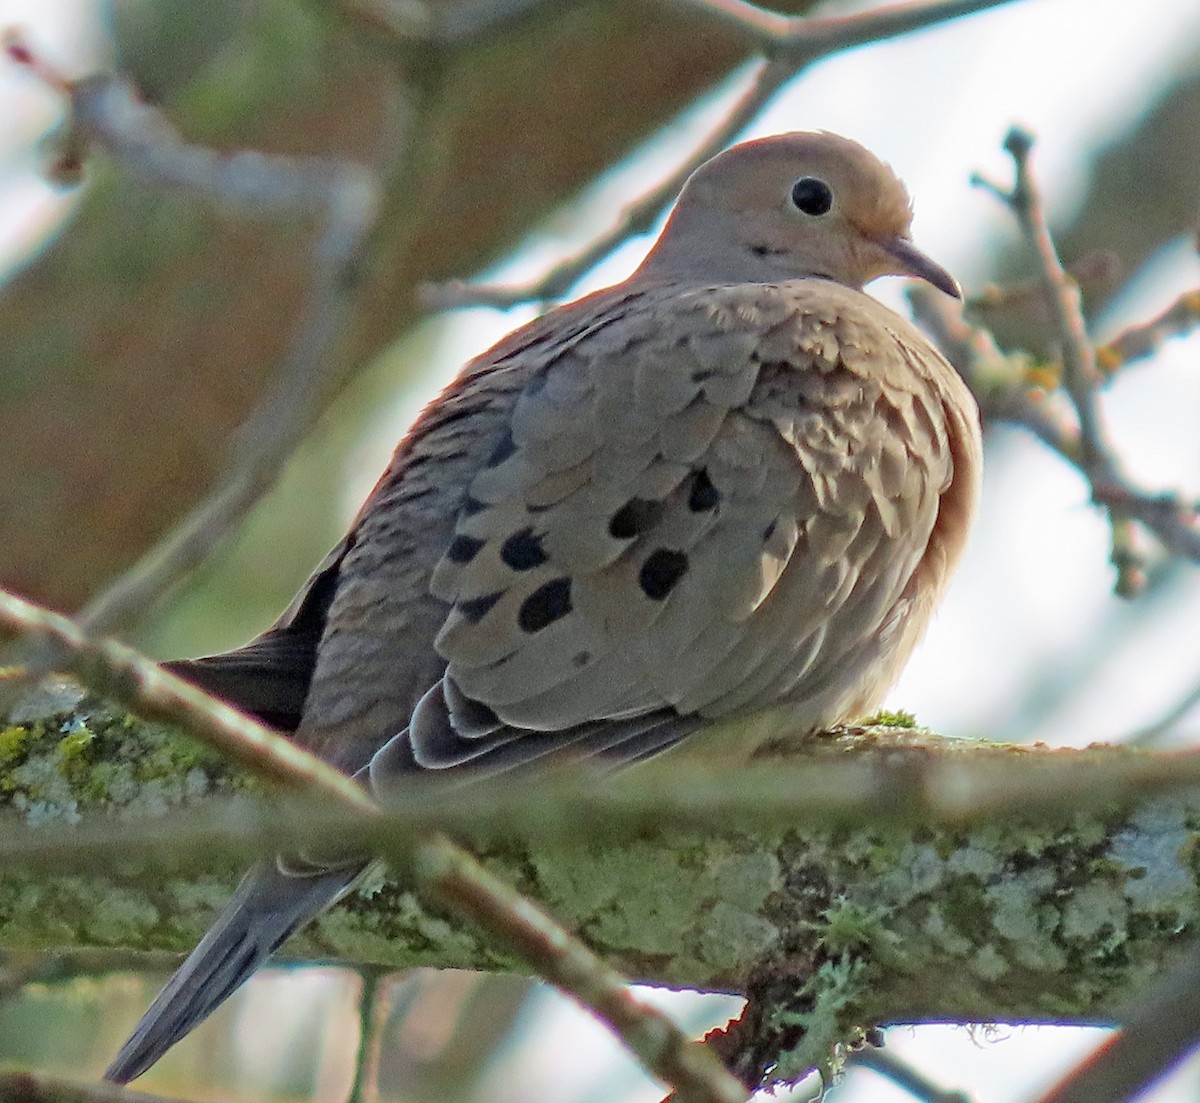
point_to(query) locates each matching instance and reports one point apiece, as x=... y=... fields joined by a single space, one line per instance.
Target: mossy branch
x=924 y=912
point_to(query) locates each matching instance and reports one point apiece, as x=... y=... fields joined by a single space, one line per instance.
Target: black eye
x=812 y=196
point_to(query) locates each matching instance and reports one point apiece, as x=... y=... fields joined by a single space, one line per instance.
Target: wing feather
x=704 y=510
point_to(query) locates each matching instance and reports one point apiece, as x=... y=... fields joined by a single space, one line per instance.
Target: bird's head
x=794 y=205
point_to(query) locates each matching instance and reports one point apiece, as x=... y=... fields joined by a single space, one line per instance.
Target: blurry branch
x=372 y=1020
x=791 y=882
x=1018 y=313
x=904 y=1076
x=1080 y=376
x=147 y=690
x=635 y=219
x=20 y=968
x=1008 y=392
x=457 y=23
x=791 y=44
x=1153 y=732
x=30 y=1087
x=439 y=868
x=1162 y=1029
x=343 y=197
x=1142 y=341
x=678 y=885
x=806 y=39
x=693 y=1070
x=885 y=779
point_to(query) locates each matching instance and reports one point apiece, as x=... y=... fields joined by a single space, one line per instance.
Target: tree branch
x=436 y=866
x=344 y=198
x=790 y=45
x=926 y=913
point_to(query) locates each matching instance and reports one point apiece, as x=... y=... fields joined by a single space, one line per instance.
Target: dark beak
x=912 y=262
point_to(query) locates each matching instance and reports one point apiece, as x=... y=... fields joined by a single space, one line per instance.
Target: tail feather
x=267 y=908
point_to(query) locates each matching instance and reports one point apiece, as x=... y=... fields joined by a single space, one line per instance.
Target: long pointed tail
x=267 y=908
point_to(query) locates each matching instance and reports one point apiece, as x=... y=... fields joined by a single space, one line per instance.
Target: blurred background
x=138 y=329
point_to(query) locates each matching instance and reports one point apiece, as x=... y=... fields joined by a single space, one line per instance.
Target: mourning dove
x=732 y=483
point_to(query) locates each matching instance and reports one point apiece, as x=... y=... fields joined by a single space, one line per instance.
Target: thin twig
x=342 y=196
x=806 y=38
x=691 y=1068
x=1159 y=1034
x=1080 y=376
x=1142 y=341
x=1006 y=392
x=147 y=690
x=635 y=219
x=440 y=868
x=905 y=1076
x=372 y=1019
x=1153 y=732
x=791 y=45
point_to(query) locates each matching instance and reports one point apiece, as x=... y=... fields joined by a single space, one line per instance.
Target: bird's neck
x=700 y=247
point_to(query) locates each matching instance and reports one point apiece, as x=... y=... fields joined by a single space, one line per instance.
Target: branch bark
x=1062 y=918
x=155 y=324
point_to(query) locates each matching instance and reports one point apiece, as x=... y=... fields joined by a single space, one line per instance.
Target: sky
x=1033 y=595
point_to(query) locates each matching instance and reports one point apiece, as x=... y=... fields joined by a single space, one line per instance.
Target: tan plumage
x=732 y=483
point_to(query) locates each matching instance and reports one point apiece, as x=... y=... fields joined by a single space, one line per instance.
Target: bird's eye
x=812 y=196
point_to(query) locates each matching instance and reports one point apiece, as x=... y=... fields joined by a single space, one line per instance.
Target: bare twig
x=791 y=45
x=691 y=1068
x=1097 y=459
x=440 y=868
x=637 y=218
x=1018 y=313
x=1142 y=341
x=343 y=197
x=149 y=691
x=1153 y=732
x=1080 y=375
x=1007 y=391
x=372 y=1019
x=1163 y=1030
x=905 y=1076
x=806 y=38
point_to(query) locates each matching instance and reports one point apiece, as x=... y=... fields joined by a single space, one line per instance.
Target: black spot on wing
x=545 y=605
x=702 y=496
x=463 y=549
x=636 y=516
x=474 y=609
x=471 y=506
x=522 y=551
x=660 y=573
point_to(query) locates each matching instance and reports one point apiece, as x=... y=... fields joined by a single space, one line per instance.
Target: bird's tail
x=268 y=906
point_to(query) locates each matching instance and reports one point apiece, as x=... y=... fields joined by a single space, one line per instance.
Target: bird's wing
x=702 y=508
x=269 y=676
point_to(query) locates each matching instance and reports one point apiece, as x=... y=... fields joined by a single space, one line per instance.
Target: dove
x=732 y=485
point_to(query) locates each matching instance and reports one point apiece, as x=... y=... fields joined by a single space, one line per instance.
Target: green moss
x=898 y=718
x=833 y=995
x=14 y=740
x=93 y=753
x=851 y=926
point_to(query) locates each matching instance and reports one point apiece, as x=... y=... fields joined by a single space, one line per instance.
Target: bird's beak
x=914 y=263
